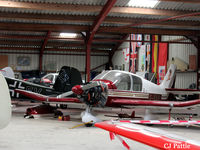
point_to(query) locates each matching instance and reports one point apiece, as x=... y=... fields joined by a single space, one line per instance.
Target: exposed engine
x=93 y=94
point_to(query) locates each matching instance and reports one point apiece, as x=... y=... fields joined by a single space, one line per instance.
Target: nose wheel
x=88 y=118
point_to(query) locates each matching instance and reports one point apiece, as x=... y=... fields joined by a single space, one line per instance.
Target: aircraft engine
x=92 y=94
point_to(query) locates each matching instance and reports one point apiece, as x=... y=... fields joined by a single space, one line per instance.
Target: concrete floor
x=49 y=133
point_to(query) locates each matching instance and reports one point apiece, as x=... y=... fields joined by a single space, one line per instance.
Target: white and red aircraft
x=116 y=88
x=5 y=103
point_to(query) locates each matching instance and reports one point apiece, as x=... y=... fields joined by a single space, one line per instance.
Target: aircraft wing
x=182 y=91
x=149 y=136
x=155 y=103
x=164 y=122
x=44 y=98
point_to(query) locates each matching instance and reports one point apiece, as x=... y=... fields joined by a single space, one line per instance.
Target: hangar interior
x=33 y=30
x=93 y=35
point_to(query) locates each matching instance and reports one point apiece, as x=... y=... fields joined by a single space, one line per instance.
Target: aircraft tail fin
x=169 y=77
x=67 y=78
x=8 y=72
x=5 y=103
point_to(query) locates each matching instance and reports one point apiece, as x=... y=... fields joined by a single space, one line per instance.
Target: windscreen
x=121 y=80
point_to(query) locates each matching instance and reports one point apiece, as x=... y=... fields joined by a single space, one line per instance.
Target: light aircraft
x=149 y=136
x=5 y=103
x=67 y=78
x=116 y=88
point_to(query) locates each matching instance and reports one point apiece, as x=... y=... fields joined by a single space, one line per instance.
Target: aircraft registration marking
x=15 y=85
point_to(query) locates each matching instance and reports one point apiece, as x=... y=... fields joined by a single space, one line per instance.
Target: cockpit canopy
x=122 y=80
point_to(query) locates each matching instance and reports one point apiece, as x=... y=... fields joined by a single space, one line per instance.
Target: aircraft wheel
x=149 y=125
x=89 y=124
x=28 y=116
x=63 y=106
x=57 y=113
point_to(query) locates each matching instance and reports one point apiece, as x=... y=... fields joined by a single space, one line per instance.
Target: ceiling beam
x=158 y=20
x=76 y=28
x=122 y=20
x=150 y=31
x=193 y=40
x=20 y=42
x=143 y=41
x=42 y=27
x=81 y=45
x=182 y=1
x=69 y=54
x=100 y=18
x=45 y=42
x=23 y=45
x=54 y=44
x=87 y=8
x=75 y=50
x=90 y=19
x=19 y=48
x=37 y=37
x=51 y=49
x=44 y=17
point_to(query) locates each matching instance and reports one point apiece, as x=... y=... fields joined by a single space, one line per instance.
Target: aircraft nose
x=77 y=90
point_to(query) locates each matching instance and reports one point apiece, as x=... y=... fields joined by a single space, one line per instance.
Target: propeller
x=92 y=94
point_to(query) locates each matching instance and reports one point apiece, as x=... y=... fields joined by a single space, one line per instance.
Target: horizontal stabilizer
x=182 y=91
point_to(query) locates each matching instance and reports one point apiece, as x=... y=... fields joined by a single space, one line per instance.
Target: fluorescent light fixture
x=143 y=3
x=69 y=35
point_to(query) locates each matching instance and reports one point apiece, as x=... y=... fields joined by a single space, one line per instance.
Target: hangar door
x=3 y=61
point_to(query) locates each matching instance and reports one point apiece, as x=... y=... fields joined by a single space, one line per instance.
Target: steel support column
x=42 y=50
x=198 y=63
x=95 y=26
x=88 y=53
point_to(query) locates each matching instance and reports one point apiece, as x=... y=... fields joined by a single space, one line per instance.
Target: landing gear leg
x=169 y=117
x=88 y=117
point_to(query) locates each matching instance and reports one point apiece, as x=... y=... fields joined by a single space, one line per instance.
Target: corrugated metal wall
x=76 y=60
x=12 y=60
x=55 y=62
x=182 y=51
x=184 y=80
